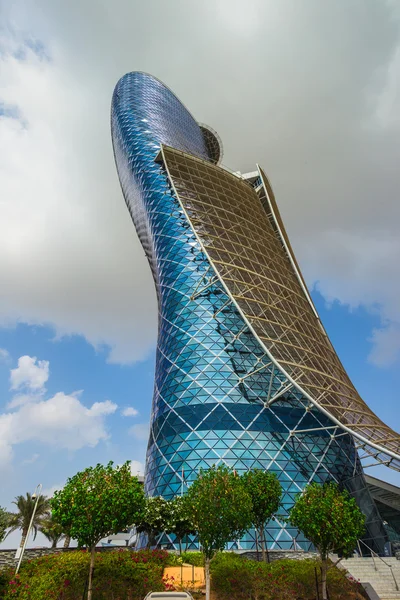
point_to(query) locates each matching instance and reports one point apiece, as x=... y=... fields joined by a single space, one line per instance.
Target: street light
x=35 y=496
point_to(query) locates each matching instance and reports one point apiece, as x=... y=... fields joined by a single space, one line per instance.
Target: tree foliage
x=221 y=511
x=52 y=530
x=22 y=518
x=180 y=521
x=330 y=519
x=154 y=518
x=97 y=502
x=265 y=492
x=4 y=523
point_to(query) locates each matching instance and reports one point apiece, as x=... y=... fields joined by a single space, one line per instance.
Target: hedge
x=235 y=577
x=126 y=575
x=121 y=575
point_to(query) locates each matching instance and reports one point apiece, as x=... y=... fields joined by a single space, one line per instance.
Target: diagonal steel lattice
x=245 y=374
x=242 y=234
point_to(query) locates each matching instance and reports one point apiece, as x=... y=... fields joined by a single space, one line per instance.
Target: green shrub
x=5 y=576
x=231 y=576
x=119 y=575
x=236 y=577
x=174 y=560
x=193 y=558
x=190 y=558
x=303 y=573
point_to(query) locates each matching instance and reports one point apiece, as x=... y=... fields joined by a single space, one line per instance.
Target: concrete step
x=358 y=559
x=379 y=574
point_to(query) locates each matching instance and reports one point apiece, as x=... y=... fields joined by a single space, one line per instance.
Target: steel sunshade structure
x=236 y=226
x=245 y=373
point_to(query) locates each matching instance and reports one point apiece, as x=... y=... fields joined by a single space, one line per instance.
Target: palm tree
x=52 y=530
x=22 y=518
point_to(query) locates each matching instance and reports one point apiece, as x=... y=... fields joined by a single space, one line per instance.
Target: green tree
x=180 y=521
x=265 y=492
x=330 y=519
x=221 y=511
x=67 y=536
x=52 y=530
x=154 y=519
x=22 y=518
x=97 y=502
x=4 y=523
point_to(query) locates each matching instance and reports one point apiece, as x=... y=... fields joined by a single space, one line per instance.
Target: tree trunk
x=91 y=570
x=207 y=572
x=149 y=540
x=67 y=541
x=23 y=537
x=257 y=545
x=54 y=544
x=323 y=578
x=180 y=546
x=262 y=543
x=265 y=545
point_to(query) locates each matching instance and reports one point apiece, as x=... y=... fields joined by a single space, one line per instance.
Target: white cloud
x=49 y=492
x=386 y=345
x=100 y=409
x=387 y=105
x=129 y=411
x=4 y=355
x=323 y=121
x=31 y=373
x=140 y=431
x=360 y=271
x=31 y=460
x=62 y=421
x=21 y=399
x=137 y=468
x=64 y=230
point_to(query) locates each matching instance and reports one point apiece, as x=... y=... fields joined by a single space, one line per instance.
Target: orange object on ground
x=185 y=575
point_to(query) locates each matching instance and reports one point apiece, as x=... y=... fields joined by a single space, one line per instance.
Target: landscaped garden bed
x=127 y=575
x=123 y=575
x=235 y=578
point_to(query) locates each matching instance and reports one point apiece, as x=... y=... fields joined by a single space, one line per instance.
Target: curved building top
x=154 y=109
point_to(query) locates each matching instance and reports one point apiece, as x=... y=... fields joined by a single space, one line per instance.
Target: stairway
x=381 y=579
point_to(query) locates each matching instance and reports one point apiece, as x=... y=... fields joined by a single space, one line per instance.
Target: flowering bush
x=5 y=577
x=121 y=575
x=236 y=577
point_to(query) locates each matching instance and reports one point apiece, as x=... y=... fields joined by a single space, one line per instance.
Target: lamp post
x=35 y=496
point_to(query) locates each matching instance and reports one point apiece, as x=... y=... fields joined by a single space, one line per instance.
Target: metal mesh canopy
x=240 y=230
x=213 y=143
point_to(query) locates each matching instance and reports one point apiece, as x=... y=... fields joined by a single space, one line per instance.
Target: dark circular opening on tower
x=213 y=143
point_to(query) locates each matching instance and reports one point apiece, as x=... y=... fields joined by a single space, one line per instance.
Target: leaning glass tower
x=245 y=372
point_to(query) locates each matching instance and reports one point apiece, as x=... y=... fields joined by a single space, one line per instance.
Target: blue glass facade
x=200 y=414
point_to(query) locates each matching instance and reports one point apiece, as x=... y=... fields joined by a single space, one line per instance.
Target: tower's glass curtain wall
x=245 y=373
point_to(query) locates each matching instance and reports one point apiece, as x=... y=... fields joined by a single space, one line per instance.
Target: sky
x=309 y=90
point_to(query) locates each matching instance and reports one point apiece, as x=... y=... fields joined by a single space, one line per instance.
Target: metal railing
x=375 y=555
